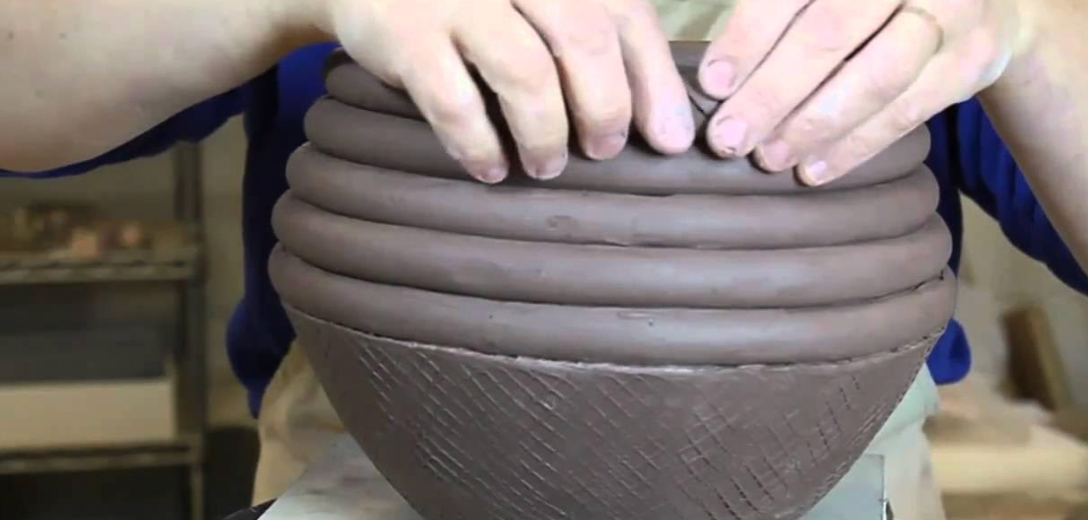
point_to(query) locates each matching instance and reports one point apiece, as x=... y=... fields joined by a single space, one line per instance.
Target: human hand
x=608 y=60
x=823 y=85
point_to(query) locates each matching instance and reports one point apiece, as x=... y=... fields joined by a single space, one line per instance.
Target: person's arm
x=969 y=152
x=83 y=76
x=1039 y=107
x=190 y=125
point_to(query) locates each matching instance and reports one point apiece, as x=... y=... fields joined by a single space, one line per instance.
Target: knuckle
x=546 y=139
x=468 y=147
x=904 y=116
x=766 y=103
x=527 y=70
x=591 y=33
x=611 y=117
x=856 y=145
x=448 y=111
x=883 y=84
x=537 y=123
x=806 y=126
x=823 y=32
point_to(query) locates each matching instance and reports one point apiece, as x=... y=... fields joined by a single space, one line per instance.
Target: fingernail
x=718 y=77
x=815 y=172
x=775 y=156
x=677 y=130
x=550 y=168
x=492 y=175
x=728 y=136
x=606 y=146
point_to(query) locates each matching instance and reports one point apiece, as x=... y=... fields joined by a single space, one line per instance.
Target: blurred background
x=117 y=401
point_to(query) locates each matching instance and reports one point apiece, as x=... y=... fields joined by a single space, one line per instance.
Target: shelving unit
x=110 y=268
x=183 y=268
x=179 y=454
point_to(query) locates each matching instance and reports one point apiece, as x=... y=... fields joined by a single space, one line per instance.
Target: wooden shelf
x=113 y=267
x=180 y=453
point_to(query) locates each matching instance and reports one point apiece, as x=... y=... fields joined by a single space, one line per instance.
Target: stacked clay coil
x=644 y=338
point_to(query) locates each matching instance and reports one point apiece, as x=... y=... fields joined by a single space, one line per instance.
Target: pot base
x=464 y=435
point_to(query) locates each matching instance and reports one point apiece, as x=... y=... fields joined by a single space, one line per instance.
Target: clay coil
x=401 y=144
x=594 y=275
x=615 y=334
x=540 y=214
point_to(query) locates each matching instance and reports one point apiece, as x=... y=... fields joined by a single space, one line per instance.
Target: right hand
x=609 y=60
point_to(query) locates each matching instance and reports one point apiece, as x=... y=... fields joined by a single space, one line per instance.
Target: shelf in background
x=51 y=416
x=180 y=453
x=23 y=269
x=66 y=354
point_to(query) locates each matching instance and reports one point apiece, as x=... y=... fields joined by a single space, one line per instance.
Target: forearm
x=83 y=76
x=1041 y=112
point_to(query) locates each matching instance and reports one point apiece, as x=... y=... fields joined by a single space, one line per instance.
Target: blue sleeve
x=983 y=168
x=190 y=125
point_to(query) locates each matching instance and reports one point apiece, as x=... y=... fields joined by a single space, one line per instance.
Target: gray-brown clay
x=645 y=338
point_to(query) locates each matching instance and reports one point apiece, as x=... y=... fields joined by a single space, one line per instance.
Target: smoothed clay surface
x=644 y=338
x=469 y=436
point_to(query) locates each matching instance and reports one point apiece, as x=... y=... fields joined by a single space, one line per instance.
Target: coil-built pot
x=645 y=338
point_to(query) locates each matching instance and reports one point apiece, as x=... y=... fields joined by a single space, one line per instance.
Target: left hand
x=823 y=85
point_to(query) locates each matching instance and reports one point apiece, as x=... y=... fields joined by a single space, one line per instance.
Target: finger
x=662 y=110
x=586 y=47
x=442 y=88
x=941 y=84
x=523 y=75
x=867 y=83
x=749 y=35
x=823 y=36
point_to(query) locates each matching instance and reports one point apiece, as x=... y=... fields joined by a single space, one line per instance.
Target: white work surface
x=343 y=485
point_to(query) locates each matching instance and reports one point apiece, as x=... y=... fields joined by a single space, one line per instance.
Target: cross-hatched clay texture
x=469 y=436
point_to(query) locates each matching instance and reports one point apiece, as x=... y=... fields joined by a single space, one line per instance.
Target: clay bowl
x=644 y=338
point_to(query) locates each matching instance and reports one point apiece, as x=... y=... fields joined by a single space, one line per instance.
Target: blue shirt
x=967 y=157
